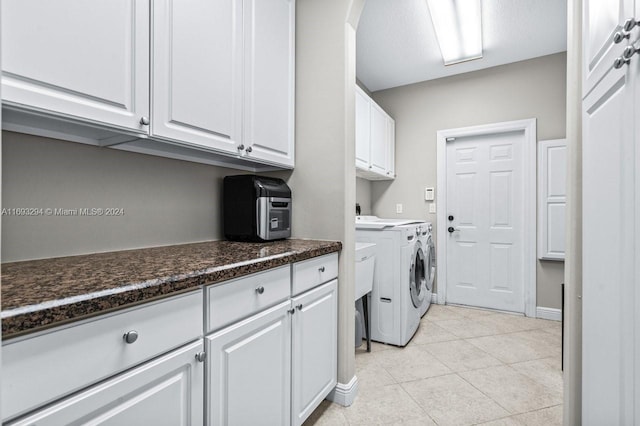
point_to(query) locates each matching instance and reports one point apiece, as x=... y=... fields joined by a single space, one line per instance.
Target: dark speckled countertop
x=38 y=294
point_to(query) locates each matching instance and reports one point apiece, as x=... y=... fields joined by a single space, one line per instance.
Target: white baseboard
x=553 y=314
x=344 y=393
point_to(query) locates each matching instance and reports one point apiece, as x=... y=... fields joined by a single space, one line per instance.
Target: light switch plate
x=429 y=194
x=432 y=207
x=398 y=208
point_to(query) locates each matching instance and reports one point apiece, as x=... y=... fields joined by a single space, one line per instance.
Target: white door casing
x=488 y=222
x=610 y=223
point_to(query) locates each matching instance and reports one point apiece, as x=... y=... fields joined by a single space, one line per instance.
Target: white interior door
x=485 y=210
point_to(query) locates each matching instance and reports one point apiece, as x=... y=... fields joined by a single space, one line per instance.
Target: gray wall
x=528 y=89
x=165 y=201
x=363 y=195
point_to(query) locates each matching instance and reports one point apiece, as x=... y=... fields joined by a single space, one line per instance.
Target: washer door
x=431 y=263
x=417 y=276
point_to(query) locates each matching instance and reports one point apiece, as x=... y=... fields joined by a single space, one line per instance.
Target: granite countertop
x=38 y=294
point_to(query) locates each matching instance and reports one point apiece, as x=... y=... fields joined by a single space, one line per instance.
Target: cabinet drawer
x=313 y=272
x=237 y=299
x=45 y=367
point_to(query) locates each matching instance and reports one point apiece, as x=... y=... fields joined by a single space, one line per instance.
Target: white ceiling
x=396 y=43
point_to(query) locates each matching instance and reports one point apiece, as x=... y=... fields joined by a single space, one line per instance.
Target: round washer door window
x=431 y=264
x=418 y=278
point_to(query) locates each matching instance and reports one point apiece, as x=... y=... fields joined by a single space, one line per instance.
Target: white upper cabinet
x=363 y=124
x=219 y=75
x=78 y=60
x=269 y=80
x=375 y=140
x=197 y=79
x=379 y=136
x=552 y=198
x=601 y=20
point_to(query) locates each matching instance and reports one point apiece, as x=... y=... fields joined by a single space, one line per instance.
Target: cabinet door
x=315 y=352
x=249 y=370
x=78 y=59
x=363 y=133
x=269 y=80
x=601 y=19
x=609 y=241
x=391 y=146
x=197 y=65
x=167 y=391
x=379 y=136
x=552 y=198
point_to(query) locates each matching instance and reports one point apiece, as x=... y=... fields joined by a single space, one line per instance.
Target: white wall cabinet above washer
x=552 y=198
x=375 y=140
x=78 y=60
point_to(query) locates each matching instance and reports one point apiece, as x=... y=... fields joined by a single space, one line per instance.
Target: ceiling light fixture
x=458 y=29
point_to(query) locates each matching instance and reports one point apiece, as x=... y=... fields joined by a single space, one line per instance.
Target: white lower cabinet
x=276 y=366
x=269 y=357
x=249 y=370
x=166 y=391
x=315 y=348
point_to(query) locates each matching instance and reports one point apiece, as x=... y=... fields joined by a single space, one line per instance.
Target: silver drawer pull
x=299 y=307
x=321 y=269
x=201 y=356
x=260 y=289
x=130 y=336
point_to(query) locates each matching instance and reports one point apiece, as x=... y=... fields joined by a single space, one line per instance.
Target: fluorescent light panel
x=458 y=29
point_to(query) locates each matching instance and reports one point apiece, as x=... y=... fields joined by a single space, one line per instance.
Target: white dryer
x=399 y=280
x=429 y=252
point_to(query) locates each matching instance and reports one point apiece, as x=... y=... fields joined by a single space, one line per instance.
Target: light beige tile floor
x=463 y=367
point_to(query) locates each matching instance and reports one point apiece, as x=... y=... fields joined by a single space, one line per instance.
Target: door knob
x=628 y=52
x=144 y=121
x=201 y=356
x=620 y=35
x=629 y=24
x=450 y=217
x=620 y=62
x=130 y=336
x=451 y=229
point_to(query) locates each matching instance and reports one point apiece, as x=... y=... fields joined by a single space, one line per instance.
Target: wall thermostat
x=429 y=194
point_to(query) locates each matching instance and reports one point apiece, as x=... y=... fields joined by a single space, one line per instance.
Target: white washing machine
x=429 y=252
x=399 y=280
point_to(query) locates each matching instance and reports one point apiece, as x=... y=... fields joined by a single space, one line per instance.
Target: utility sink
x=365 y=262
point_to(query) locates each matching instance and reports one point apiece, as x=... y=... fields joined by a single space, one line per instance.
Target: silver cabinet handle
x=291 y=311
x=145 y=121
x=299 y=307
x=130 y=336
x=321 y=269
x=249 y=149
x=620 y=35
x=260 y=289
x=240 y=147
x=620 y=62
x=628 y=52
x=629 y=24
x=201 y=356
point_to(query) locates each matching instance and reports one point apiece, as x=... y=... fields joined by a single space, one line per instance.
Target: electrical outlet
x=432 y=207
x=398 y=208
